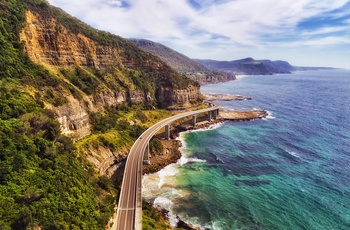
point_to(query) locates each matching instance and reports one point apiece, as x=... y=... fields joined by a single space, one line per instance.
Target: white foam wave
x=219 y=159
x=294 y=154
x=165 y=203
x=240 y=76
x=166 y=173
x=270 y=115
x=182 y=138
x=162 y=202
x=184 y=160
x=211 y=127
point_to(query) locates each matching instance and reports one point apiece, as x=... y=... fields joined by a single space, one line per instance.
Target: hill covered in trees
x=184 y=64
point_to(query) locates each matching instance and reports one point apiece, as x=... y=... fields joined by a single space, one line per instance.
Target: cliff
x=183 y=64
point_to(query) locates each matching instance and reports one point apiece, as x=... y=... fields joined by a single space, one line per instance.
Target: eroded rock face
x=74 y=118
x=181 y=97
x=48 y=42
x=114 y=98
x=106 y=161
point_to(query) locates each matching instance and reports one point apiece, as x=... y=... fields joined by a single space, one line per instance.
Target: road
x=129 y=214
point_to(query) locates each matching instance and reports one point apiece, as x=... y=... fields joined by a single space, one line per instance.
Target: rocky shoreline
x=225 y=97
x=171 y=152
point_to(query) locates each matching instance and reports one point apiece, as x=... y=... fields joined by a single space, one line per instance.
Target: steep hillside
x=98 y=68
x=249 y=66
x=183 y=64
x=63 y=81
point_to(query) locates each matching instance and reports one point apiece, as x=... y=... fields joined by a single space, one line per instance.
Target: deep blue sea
x=288 y=171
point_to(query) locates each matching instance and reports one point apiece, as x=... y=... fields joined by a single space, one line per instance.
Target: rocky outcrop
x=114 y=98
x=73 y=117
x=48 y=42
x=180 y=97
x=170 y=154
x=106 y=161
x=225 y=97
x=243 y=115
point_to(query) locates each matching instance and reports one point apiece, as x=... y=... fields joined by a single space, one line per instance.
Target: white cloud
x=326 y=30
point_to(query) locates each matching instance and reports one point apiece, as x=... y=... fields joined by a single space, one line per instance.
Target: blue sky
x=303 y=32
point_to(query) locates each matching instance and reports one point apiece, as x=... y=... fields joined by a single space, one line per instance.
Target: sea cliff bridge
x=129 y=213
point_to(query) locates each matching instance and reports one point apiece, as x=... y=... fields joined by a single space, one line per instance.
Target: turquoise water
x=289 y=171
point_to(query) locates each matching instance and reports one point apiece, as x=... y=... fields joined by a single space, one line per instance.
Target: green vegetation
x=42 y=180
x=45 y=181
x=118 y=129
x=153 y=219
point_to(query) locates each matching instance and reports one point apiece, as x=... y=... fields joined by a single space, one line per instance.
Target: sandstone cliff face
x=48 y=42
x=114 y=98
x=181 y=97
x=106 y=161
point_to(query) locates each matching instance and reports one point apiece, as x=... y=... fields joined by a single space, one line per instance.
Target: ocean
x=290 y=170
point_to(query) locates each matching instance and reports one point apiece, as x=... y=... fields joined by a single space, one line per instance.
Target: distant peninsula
x=250 y=66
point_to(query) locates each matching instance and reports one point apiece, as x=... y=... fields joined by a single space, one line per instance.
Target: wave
x=182 y=139
x=166 y=174
x=211 y=127
x=184 y=160
x=269 y=116
x=294 y=154
x=163 y=203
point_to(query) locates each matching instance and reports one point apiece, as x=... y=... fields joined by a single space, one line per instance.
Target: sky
x=302 y=32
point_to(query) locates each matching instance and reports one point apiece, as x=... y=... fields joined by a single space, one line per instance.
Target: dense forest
x=42 y=181
x=45 y=181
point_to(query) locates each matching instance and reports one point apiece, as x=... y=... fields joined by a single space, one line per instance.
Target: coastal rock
x=243 y=115
x=225 y=97
x=169 y=155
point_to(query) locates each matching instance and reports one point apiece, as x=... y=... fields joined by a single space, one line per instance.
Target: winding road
x=129 y=214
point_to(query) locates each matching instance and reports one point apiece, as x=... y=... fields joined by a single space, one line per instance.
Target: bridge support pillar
x=209 y=116
x=214 y=114
x=194 y=120
x=146 y=155
x=167 y=132
x=217 y=112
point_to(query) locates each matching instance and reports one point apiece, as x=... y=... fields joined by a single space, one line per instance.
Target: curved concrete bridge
x=129 y=214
